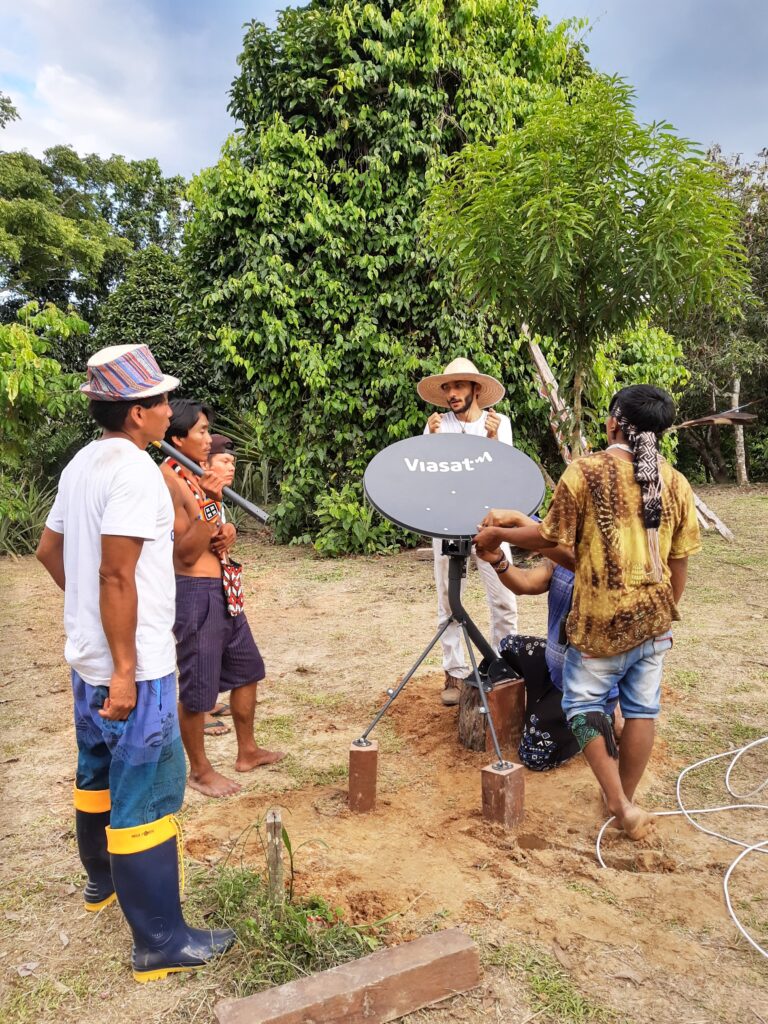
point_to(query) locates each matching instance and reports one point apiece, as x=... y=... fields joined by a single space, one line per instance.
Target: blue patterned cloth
x=140 y=760
x=559 y=600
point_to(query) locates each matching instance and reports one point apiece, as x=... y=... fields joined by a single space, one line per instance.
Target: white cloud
x=117 y=78
x=72 y=109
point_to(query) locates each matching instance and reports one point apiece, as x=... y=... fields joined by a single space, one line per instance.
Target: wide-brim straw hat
x=125 y=373
x=491 y=390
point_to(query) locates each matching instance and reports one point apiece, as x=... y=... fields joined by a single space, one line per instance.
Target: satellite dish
x=442 y=485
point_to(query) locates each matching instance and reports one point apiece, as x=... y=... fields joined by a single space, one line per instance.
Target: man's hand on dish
x=492 y=423
x=506 y=517
x=488 y=539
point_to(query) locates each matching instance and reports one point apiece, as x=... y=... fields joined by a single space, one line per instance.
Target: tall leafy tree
x=36 y=396
x=728 y=356
x=69 y=223
x=583 y=222
x=144 y=309
x=303 y=260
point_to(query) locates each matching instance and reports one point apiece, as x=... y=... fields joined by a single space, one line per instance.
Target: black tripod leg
x=486 y=710
x=363 y=741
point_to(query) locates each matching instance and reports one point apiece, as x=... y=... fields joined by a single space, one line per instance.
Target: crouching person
x=108 y=544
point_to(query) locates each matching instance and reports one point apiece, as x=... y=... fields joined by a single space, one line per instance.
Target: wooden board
x=378 y=988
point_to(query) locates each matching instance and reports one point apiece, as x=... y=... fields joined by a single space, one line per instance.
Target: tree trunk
x=471 y=720
x=721 y=472
x=742 y=477
x=712 y=468
x=578 y=390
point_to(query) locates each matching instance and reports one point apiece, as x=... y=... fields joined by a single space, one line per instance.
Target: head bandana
x=645 y=450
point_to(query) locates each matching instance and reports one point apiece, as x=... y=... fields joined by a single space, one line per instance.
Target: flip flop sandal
x=216 y=729
x=223 y=712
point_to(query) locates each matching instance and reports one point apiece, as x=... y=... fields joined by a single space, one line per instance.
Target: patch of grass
x=685 y=679
x=601 y=895
x=277 y=942
x=307 y=775
x=277 y=729
x=327 y=701
x=551 y=990
x=29 y=999
x=389 y=740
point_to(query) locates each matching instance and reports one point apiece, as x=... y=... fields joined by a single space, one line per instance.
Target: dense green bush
x=24 y=506
x=348 y=523
x=304 y=265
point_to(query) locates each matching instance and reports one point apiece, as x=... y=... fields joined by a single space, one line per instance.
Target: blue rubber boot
x=91 y=822
x=147 y=883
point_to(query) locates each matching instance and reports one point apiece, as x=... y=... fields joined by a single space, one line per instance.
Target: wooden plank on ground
x=707 y=512
x=378 y=988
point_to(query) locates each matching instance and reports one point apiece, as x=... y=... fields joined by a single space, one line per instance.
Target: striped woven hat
x=122 y=373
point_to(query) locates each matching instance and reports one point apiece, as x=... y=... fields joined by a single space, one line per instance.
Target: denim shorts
x=139 y=760
x=587 y=681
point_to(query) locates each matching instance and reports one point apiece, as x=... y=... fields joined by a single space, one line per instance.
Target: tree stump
x=472 y=723
x=506 y=702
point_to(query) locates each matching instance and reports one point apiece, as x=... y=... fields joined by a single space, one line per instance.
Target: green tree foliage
x=728 y=356
x=8 y=111
x=68 y=224
x=143 y=310
x=583 y=222
x=36 y=396
x=42 y=417
x=303 y=260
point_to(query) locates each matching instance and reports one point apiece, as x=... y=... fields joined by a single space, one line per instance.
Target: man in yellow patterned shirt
x=631 y=520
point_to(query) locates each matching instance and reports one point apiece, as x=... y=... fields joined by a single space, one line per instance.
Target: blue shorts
x=587 y=681
x=140 y=760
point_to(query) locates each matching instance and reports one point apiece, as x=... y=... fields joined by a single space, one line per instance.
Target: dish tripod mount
x=491 y=670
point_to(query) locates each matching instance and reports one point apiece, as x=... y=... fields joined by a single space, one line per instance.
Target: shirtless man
x=215 y=651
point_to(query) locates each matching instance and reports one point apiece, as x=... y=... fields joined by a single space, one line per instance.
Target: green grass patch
x=600 y=895
x=277 y=942
x=551 y=991
x=308 y=775
x=333 y=702
x=277 y=729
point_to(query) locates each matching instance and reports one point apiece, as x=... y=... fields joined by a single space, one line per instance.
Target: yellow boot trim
x=145 y=837
x=142 y=837
x=163 y=972
x=93 y=908
x=92 y=801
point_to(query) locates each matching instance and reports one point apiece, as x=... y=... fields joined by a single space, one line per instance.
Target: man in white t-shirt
x=468 y=396
x=108 y=544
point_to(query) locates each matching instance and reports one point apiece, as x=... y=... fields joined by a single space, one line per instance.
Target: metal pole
x=227 y=492
x=456 y=571
x=363 y=741
x=486 y=710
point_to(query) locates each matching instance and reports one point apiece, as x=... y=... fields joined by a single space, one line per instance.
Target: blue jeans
x=140 y=760
x=587 y=681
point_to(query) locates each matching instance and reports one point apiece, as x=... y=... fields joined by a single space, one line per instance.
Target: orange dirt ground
x=647 y=940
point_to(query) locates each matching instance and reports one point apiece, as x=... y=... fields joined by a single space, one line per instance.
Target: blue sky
x=150 y=77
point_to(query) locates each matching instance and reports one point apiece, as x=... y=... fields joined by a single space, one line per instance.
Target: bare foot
x=212 y=783
x=257 y=758
x=636 y=822
x=213 y=727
